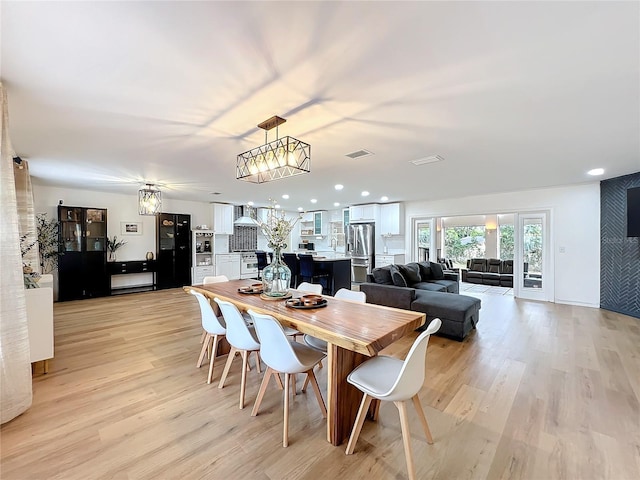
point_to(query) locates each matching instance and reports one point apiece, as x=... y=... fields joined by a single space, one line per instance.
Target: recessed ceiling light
x=300 y=209
x=336 y=204
x=285 y=196
x=339 y=187
x=365 y=194
x=314 y=200
x=384 y=199
x=277 y=205
x=596 y=171
x=250 y=204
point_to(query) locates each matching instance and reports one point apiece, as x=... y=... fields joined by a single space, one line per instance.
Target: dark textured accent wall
x=619 y=254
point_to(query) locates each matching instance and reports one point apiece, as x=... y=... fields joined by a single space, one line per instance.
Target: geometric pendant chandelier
x=280 y=158
x=149 y=200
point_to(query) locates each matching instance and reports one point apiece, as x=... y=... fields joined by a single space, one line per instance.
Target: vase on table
x=112 y=256
x=276 y=277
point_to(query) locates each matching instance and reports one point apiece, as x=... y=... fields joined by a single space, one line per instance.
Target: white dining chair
x=394 y=380
x=209 y=280
x=344 y=294
x=242 y=339
x=284 y=356
x=214 y=328
x=310 y=288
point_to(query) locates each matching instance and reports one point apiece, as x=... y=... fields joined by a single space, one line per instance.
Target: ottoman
x=459 y=313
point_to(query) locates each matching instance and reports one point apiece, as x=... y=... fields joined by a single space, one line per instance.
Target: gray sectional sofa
x=425 y=287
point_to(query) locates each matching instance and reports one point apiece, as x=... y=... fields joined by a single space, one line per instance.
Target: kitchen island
x=338 y=270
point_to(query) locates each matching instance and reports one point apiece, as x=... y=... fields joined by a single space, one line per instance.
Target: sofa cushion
x=430 y=286
x=452 y=307
x=436 y=271
x=493 y=265
x=410 y=272
x=382 y=275
x=397 y=277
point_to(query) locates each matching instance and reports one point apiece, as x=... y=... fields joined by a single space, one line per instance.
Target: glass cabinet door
x=71 y=229
x=96 y=230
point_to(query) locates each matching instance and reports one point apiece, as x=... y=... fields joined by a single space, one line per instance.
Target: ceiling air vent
x=424 y=160
x=359 y=153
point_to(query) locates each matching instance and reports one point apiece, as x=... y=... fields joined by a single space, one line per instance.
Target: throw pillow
x=410 y=272
x=436 y=271
x=382 y=276
x=425 y=270
x=398 y=278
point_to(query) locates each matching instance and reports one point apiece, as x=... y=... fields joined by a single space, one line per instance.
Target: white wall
x=575 y=227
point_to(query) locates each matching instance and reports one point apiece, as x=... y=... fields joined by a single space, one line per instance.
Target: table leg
x=343 y=399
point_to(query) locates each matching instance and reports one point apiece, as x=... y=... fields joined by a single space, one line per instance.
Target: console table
x=128 y=267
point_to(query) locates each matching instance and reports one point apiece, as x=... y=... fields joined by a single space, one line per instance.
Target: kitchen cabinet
x=222 y=219
x=82 y=269
x=313 y=224
x=364 y=213
x=228 y=264
x=392 y=219
x=173 y=246
x=389 y=259
x=202 y=256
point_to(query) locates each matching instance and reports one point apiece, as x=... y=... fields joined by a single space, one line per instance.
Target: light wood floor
x=539 y=391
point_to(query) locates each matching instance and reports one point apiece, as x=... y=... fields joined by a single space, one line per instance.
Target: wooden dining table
x=354 y=332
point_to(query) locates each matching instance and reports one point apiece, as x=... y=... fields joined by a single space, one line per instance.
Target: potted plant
x=113 y=246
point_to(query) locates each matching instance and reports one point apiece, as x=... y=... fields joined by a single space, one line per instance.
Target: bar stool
x=291 y=261
x=308 y=273
x=262 y=261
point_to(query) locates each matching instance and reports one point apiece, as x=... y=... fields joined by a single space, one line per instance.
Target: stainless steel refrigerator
x=361 y=248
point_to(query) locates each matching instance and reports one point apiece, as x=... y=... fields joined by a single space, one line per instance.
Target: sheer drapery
x=15 y=364
x=26 y=214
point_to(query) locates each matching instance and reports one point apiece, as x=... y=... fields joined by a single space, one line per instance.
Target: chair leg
x=203 y=336
x=263 y=388
x=258 y=361
x=357 y=425
x=243 y=381
x=311 y=378
x=203 y=350
x=285 y=430
x=276 y=375
x=423 y=419
x=214 y=349
x=293 y=384
x=406 y=438
x=227 y=366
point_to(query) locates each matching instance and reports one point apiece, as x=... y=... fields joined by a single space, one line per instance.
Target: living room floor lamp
x=280 y=158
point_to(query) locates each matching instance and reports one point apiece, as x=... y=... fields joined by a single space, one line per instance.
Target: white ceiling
x=109 y=95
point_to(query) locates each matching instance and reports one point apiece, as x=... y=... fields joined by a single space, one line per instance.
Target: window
x=464 y=242
x=505 y=242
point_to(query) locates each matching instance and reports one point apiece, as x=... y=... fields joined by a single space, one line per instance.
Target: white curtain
x=26 y=214
x=15 y=365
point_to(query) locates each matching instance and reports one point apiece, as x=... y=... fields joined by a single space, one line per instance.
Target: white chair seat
x=315 y=343
x=307 y=356
x=376 y=376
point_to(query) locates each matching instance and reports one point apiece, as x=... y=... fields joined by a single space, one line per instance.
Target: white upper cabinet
x=222 y=219
x=313 y=224
x=364 y=213
x=392 y=219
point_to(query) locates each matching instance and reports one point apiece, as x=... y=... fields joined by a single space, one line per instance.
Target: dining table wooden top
x=362 y=328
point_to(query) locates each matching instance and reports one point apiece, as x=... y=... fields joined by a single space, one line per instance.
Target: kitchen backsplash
x=243 y=238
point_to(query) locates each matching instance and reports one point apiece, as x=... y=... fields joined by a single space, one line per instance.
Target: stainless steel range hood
x=244 y=220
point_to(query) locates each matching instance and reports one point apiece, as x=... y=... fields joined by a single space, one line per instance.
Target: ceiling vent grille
x=359 y=154
x=425 y=160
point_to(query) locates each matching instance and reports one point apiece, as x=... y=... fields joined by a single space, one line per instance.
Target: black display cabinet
x=173 y=247
x=82 y=268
